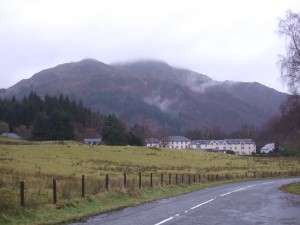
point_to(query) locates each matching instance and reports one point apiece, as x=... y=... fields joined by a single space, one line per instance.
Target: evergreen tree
x=113 y=131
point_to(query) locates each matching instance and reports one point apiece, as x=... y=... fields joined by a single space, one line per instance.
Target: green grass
x=37 y=163
x=293 y=188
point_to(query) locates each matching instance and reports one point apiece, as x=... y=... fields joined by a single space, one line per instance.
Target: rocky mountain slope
x=155 y=94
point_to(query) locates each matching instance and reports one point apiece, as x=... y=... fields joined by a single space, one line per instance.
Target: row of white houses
x=239 y=146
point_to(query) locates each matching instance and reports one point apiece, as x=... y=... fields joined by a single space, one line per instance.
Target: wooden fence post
x=140 y=180
x=82 y=186
x=170 y=179
x=189 y=179
x=151 y=180
x=199 y=178
x=254 y=174
x=54 y=191
x=22 y=193
x=182 y=178
x=107 y=182
x=125 y=180
x=176 y=179
x=194 y=178
x=161 y=180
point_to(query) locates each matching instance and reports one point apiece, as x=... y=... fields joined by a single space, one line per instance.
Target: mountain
x=155 y=94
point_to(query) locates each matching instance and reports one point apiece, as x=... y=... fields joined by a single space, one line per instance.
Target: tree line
x=59 y=118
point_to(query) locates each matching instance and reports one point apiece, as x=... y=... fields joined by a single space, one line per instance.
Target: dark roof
x=176 y=138
x=238 y=141
x=152 y=141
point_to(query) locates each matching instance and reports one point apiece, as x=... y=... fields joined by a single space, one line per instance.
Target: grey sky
x=226 y=40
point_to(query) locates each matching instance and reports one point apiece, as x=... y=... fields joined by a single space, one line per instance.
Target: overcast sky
x=224 y=39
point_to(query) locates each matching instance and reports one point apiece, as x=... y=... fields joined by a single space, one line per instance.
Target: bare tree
x=289 y=27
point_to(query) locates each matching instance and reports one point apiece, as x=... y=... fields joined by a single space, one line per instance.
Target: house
x=267 y=148
x=92 y=141
x=178 y=142
x=11 y=135
x=238 y=146
x=200 y=144
x=153 y=143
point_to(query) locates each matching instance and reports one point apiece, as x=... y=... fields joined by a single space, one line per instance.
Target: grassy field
x=37 y=163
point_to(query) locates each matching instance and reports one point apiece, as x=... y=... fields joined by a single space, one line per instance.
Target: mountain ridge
x=156 y=94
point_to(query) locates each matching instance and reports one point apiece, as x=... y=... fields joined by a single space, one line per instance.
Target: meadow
x=38 y=163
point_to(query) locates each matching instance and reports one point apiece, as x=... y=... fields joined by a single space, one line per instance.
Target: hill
x=155 y=94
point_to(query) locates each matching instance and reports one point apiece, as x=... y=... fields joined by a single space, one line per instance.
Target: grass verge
x=80 y=208
x=293 y=188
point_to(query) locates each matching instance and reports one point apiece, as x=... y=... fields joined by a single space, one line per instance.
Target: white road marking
x=202 y=204
x=268 y=182
x=238 y=190
x=166 y=220
x=170 y=218
x=225 y=194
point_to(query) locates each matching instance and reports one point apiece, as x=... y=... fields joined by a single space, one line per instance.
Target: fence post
x=189 y=179
x=22 y=194
x=199 y=178
x=125 y=180
x=176 y=179
x=246 y=175
x=54 y=191
x=254 y=174
x=161 y=180
x=140 y=180
x=151 y=180
x=182 y=178
x=217 y=177
x=170 y=179
x=82 y=186
x=194 y=178
x=107 y=182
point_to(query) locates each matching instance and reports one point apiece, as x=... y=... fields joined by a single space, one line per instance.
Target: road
x=253 y=202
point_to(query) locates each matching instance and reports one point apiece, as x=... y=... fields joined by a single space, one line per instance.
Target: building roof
x=11 y=135
x=269 y=146
x=238 y=141
x=91 y=139
x=227 y=141
x=201 y=142
x=177 y=138
x=152 y=141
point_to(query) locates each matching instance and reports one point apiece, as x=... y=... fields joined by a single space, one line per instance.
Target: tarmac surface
x=258 y=202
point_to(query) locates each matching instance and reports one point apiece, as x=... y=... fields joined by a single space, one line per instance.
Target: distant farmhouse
x=178 y=142
x=92 y=141
x=153 y=143
x=238 y=146
x=267 y=148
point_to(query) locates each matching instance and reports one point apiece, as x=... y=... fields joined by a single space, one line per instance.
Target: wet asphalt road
x=246 y=203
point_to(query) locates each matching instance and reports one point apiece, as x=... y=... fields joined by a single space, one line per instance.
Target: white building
x=239 y=146
x=178 y=142
x=92 y=141
x=267 y=148
x=153 y=143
